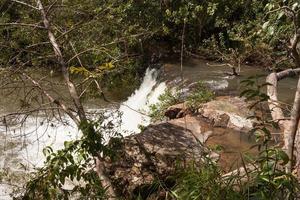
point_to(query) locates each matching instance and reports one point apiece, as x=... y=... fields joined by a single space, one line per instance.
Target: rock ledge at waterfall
x=154 y=153
x=229 y=112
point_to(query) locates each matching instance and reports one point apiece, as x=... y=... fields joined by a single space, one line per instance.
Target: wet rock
x=230 y=112
x=154 y=153
x=221 y=120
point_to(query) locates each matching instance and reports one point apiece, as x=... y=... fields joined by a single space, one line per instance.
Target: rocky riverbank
x=156 y=152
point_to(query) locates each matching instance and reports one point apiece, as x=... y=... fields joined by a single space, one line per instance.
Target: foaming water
x=217 y=84
x=38 y=132
x=22 y=149
x=135 y=109
x=28 y=141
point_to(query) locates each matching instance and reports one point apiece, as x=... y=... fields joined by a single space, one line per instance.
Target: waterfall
x=37 y=132
x=135 y=109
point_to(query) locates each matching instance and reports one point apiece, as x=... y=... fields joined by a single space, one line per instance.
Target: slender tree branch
x=53 y=100
x=62 y=63
x=22 y=24
x=106 y=183
x=25 y=4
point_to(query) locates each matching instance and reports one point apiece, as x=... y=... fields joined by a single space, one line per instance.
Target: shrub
x=200 y=95
x=167 y=99
x=204 y=182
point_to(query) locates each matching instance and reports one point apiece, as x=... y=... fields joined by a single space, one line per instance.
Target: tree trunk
x=289 y=127
x=294 y=126
x=65 y=71
x=75 y=97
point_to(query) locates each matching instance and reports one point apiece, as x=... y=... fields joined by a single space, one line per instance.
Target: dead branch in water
x=233 y=68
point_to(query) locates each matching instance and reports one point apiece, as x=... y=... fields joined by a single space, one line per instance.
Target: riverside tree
x=286 y=12
x=93 y=38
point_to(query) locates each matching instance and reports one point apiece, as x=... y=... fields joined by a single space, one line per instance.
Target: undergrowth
x=199 y=94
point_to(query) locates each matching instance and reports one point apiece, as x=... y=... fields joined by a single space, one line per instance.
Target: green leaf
x=265 y=25
x=280 y=15
x=271 y=30
x=283 y=156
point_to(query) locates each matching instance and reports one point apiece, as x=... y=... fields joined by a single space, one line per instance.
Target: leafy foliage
x=99 y=38
x=201 y=94
x=167 y=99
x=74 y=164
x=204 y=182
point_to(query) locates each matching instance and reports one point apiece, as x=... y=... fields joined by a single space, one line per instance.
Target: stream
x=21 y=145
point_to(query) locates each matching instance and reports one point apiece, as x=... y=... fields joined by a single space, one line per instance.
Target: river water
x=195 y=70
x=21 y=145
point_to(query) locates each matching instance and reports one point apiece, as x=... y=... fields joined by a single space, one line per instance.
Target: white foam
x=217 y=84
x=36 y=133
x=135 y=109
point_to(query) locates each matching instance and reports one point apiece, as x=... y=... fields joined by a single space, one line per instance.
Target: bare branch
x=62 y=63
x=22 y=24
x=50 y=7
x=25 y=4
x=103 y=50
x=75 y=51
x=37 y=44
x=55 y=101
x=75 y=97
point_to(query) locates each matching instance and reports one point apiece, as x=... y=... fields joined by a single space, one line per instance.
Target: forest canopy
x=97 y=46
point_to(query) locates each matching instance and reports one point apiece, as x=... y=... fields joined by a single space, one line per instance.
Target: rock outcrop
x=154 y=153
x=228 y=112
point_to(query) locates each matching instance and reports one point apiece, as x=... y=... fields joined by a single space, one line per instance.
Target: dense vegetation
x=132 y=29
x=112 y=42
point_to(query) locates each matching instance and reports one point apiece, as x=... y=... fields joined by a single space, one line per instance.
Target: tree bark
x=75 y=97
x=294 y=127
x=62 y=63
x=289 y=127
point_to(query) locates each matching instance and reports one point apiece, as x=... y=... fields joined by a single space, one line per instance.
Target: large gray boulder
x=154 y=153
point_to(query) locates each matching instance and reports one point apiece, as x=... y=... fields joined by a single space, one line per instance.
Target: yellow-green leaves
x=106 y=66
x=86 y=73
x=79 y=71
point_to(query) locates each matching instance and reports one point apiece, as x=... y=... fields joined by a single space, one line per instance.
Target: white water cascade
x=37 y=133
x=135 y=109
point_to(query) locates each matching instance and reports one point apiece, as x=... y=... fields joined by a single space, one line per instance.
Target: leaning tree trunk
x=74 y=95
x=288 y=126
x=62 y=63
x=294 y=127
